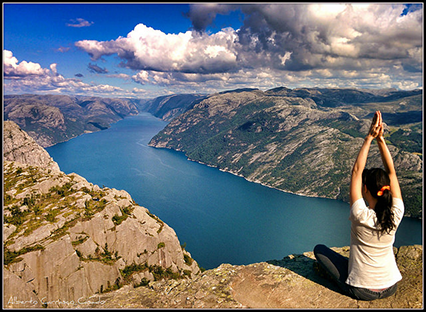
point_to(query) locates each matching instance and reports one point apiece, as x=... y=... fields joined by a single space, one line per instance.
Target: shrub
x=161 y=245
x=188 y=260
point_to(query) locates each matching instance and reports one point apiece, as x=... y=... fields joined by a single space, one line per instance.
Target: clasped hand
x=376 y=128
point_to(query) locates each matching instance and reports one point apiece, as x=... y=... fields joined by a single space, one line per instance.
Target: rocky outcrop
x=66 y=239
x=290 y=283
x=19 y=146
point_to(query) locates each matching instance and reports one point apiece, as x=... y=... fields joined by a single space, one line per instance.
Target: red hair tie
x=386 y=187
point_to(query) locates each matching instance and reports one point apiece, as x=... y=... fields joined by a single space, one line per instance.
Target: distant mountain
x=171 y=106
x=302 y=140
x=50 y=119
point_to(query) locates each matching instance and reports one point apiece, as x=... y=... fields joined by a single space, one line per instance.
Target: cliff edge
x=290 y=283
x=19 y=146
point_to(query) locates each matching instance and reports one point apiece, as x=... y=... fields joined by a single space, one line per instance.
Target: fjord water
x=220 y=217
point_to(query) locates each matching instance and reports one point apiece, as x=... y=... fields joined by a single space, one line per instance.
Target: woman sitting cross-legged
x=371 y=271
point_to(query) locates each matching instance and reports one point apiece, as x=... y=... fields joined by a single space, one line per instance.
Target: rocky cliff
x=20 y=147
x=66 y=239
x=303 y=141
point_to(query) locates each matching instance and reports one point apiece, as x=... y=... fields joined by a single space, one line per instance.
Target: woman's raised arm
x=387 y=160
x=355 y=189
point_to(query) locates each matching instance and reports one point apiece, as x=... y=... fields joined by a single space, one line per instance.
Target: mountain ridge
x=297 y=144
x=52 y=119
x=345 y=115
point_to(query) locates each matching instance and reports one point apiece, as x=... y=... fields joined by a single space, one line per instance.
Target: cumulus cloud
x=145 y=48
x=277 y=41
x=22 y=77
x=202 y=15
x=311 y=45
x=329 y=35
x=13 y=70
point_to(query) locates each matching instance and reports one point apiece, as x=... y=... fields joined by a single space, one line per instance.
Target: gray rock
x=289 y=283
x=20 y=147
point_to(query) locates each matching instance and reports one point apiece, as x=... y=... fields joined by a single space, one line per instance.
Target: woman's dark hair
x=375 y=179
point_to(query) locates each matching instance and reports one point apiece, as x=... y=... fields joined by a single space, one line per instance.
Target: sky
x=146 y=50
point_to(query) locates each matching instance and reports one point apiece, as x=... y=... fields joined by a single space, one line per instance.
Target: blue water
x=222 y=218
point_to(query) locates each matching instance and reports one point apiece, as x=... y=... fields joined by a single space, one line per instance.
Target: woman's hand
x=376 y=128
x=381 y=134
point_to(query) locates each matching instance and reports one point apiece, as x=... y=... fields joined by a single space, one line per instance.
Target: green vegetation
x=161 y=223
x=79 y=241
x=157 y=271
x=188 y=259
x=161 y=245
x=125 y=213
x=13 y=256
x=409 y=139
x=36 y=208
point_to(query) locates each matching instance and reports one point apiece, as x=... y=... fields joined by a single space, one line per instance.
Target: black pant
x=337 y=266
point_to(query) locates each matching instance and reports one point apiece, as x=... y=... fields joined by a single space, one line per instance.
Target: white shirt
x=372 y=262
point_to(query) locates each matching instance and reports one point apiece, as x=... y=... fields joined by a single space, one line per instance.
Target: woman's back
x=372 y=262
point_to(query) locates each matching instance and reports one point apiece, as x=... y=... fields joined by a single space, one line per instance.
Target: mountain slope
x=295 y=140
x=170 y=106
x=19 y=146
x=50 y=119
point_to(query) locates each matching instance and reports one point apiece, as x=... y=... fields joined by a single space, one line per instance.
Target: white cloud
x=317 y=45
x=63 y=49
x=142 y=77
x=13 y=70
x=79 y=22
x=20 y=78
x=120 y=76
x=319 y=34
x=278 y=38
x=145 y=48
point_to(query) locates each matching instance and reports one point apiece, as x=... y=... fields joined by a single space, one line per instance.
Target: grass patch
x=161 y=223
x=13 y=256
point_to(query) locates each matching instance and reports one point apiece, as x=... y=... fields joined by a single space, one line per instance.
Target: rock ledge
x=288 y=283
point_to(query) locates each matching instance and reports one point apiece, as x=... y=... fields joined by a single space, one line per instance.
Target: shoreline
x=253 y=181
x=269 y=186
